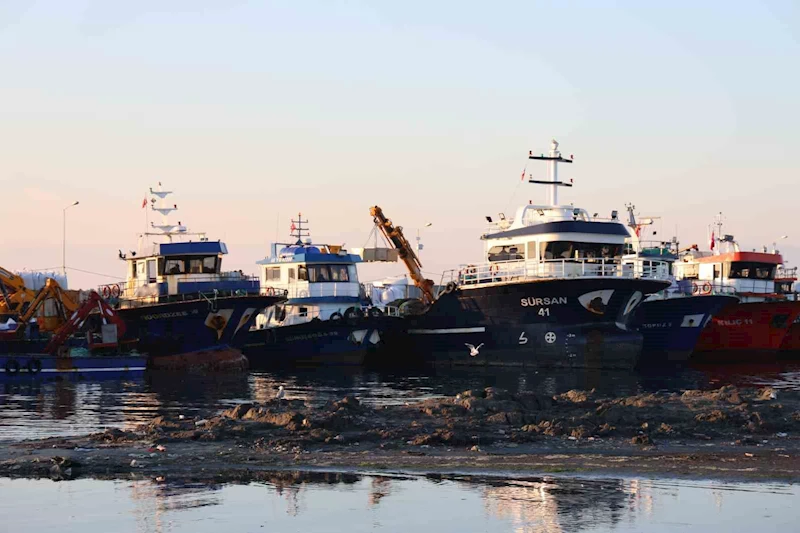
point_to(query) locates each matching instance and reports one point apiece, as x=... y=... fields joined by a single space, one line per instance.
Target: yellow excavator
x=394 y=234
x=22 y=304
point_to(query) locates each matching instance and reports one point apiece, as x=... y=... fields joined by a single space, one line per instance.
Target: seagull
x=281 y=393
x=473 y=350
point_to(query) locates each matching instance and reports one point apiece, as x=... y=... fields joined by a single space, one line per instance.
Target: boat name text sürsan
x=530 y=301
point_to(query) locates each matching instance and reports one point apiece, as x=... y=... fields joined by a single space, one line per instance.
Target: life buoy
x=34 y=366
x=336 y=315
x=494 y=270
x=695 y=288
x=115 y=291
x=706 y=288
x=353 y=313
x=105 y=292
x=450 y=287
x=12 y=367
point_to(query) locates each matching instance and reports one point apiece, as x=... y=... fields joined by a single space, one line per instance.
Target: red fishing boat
x=757 y=327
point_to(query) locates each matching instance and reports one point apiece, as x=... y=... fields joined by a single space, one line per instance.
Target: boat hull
x=180 y=330
x=790 y=347
x=19 y=366
x=317 y=343
x=752 y=331
x=581 y=322
x=671 y=327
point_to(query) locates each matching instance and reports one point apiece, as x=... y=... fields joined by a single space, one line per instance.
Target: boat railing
x=315 y=290
x=696 y=288
x=136 y=293
x=515 y=271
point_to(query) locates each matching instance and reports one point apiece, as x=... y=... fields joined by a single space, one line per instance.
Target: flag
x=711 y=244
x=293 y=227
x=523 y=174
x=144 y=202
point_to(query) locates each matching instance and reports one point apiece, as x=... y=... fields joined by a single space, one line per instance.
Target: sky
x=254 y=111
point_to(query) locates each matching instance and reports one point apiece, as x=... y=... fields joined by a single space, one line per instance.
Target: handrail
x=520 y=270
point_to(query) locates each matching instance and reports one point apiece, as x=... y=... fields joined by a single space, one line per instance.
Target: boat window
x=302 y=273
x=292 y=274
x=750 y=270
x=302 y=311
x=210 y=265
x=273 y=274
x=579 y=250
x=352 y=273
x=339 y=273
x=133 y=270
x=195 y=266
x=174 y=265
x=511 y=252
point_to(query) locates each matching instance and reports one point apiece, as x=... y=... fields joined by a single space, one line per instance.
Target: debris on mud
x=492 y=421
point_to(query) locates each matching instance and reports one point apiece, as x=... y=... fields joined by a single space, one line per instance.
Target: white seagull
x=473 y=350
x=281 y=393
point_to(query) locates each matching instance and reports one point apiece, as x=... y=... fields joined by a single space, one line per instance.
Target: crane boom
x=394 y=234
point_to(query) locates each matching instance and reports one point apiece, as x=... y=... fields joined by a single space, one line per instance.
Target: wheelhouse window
x=292 y=274
x=328 y=273
x=750 y=270
x=210 y=265
x=272 y=273
x=174 y=265
x=511 y=252
x=579 y=250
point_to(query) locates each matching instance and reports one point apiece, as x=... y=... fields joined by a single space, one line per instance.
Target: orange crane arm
x=13 y=292
x=394 y=234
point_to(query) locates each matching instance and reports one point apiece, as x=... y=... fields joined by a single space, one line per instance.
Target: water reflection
x=30 y=409
x=296 y=501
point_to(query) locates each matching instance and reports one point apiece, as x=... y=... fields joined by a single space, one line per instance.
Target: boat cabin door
x=152 y=271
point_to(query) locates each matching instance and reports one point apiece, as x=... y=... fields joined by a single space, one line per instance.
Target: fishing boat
x=754 y=330
x=325 y=319
x=671 y=320
x=785 y=284
x=26 y=353
x=553 y=290
x=179 y=306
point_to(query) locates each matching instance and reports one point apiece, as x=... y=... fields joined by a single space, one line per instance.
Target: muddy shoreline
x=730 y=433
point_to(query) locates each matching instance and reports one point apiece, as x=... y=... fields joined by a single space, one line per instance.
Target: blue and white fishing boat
x=178 y=304
x=324 y=320
x=670 y=320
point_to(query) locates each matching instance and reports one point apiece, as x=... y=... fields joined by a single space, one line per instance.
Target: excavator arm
x=394 y=234
x=13 y=292
x=79 y=317
x=24 y=313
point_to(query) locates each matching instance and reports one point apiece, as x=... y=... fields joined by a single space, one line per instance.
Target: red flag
x=712 y=241
x=523 y=176
x=293 y=227
x=144 y=202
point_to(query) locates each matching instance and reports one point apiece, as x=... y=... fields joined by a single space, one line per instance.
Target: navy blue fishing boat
x=323 y=321
x=178 y=305
x=553 y=291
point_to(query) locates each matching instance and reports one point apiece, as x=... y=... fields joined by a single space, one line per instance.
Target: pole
x=64 y=238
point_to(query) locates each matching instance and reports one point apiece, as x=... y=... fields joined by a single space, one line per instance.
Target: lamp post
x=419 y=246
x=64 y=237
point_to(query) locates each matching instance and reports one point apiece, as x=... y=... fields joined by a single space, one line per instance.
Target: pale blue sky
x=255 y=110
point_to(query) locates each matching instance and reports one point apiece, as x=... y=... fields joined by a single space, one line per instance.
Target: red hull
x=747 y=330
x=791 y=342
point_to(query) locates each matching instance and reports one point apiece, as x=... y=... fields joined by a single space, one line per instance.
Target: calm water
x=353 y=503
x=30 y=409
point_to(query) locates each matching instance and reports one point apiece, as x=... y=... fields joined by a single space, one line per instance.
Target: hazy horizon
x=253 y=112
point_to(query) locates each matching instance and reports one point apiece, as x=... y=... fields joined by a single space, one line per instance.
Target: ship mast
x=298 y=231
x=553 y=158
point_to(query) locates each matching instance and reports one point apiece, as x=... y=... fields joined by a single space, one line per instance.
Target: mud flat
x=729 y=433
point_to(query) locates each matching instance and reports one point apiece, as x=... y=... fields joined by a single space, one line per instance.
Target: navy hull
x=671 y=327
x=580 y=322
x=187 y=327
x=21 y=360
x=330 y=342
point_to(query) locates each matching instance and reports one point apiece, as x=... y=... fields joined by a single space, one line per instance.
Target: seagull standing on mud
x=473 y=350
x=281 y=393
